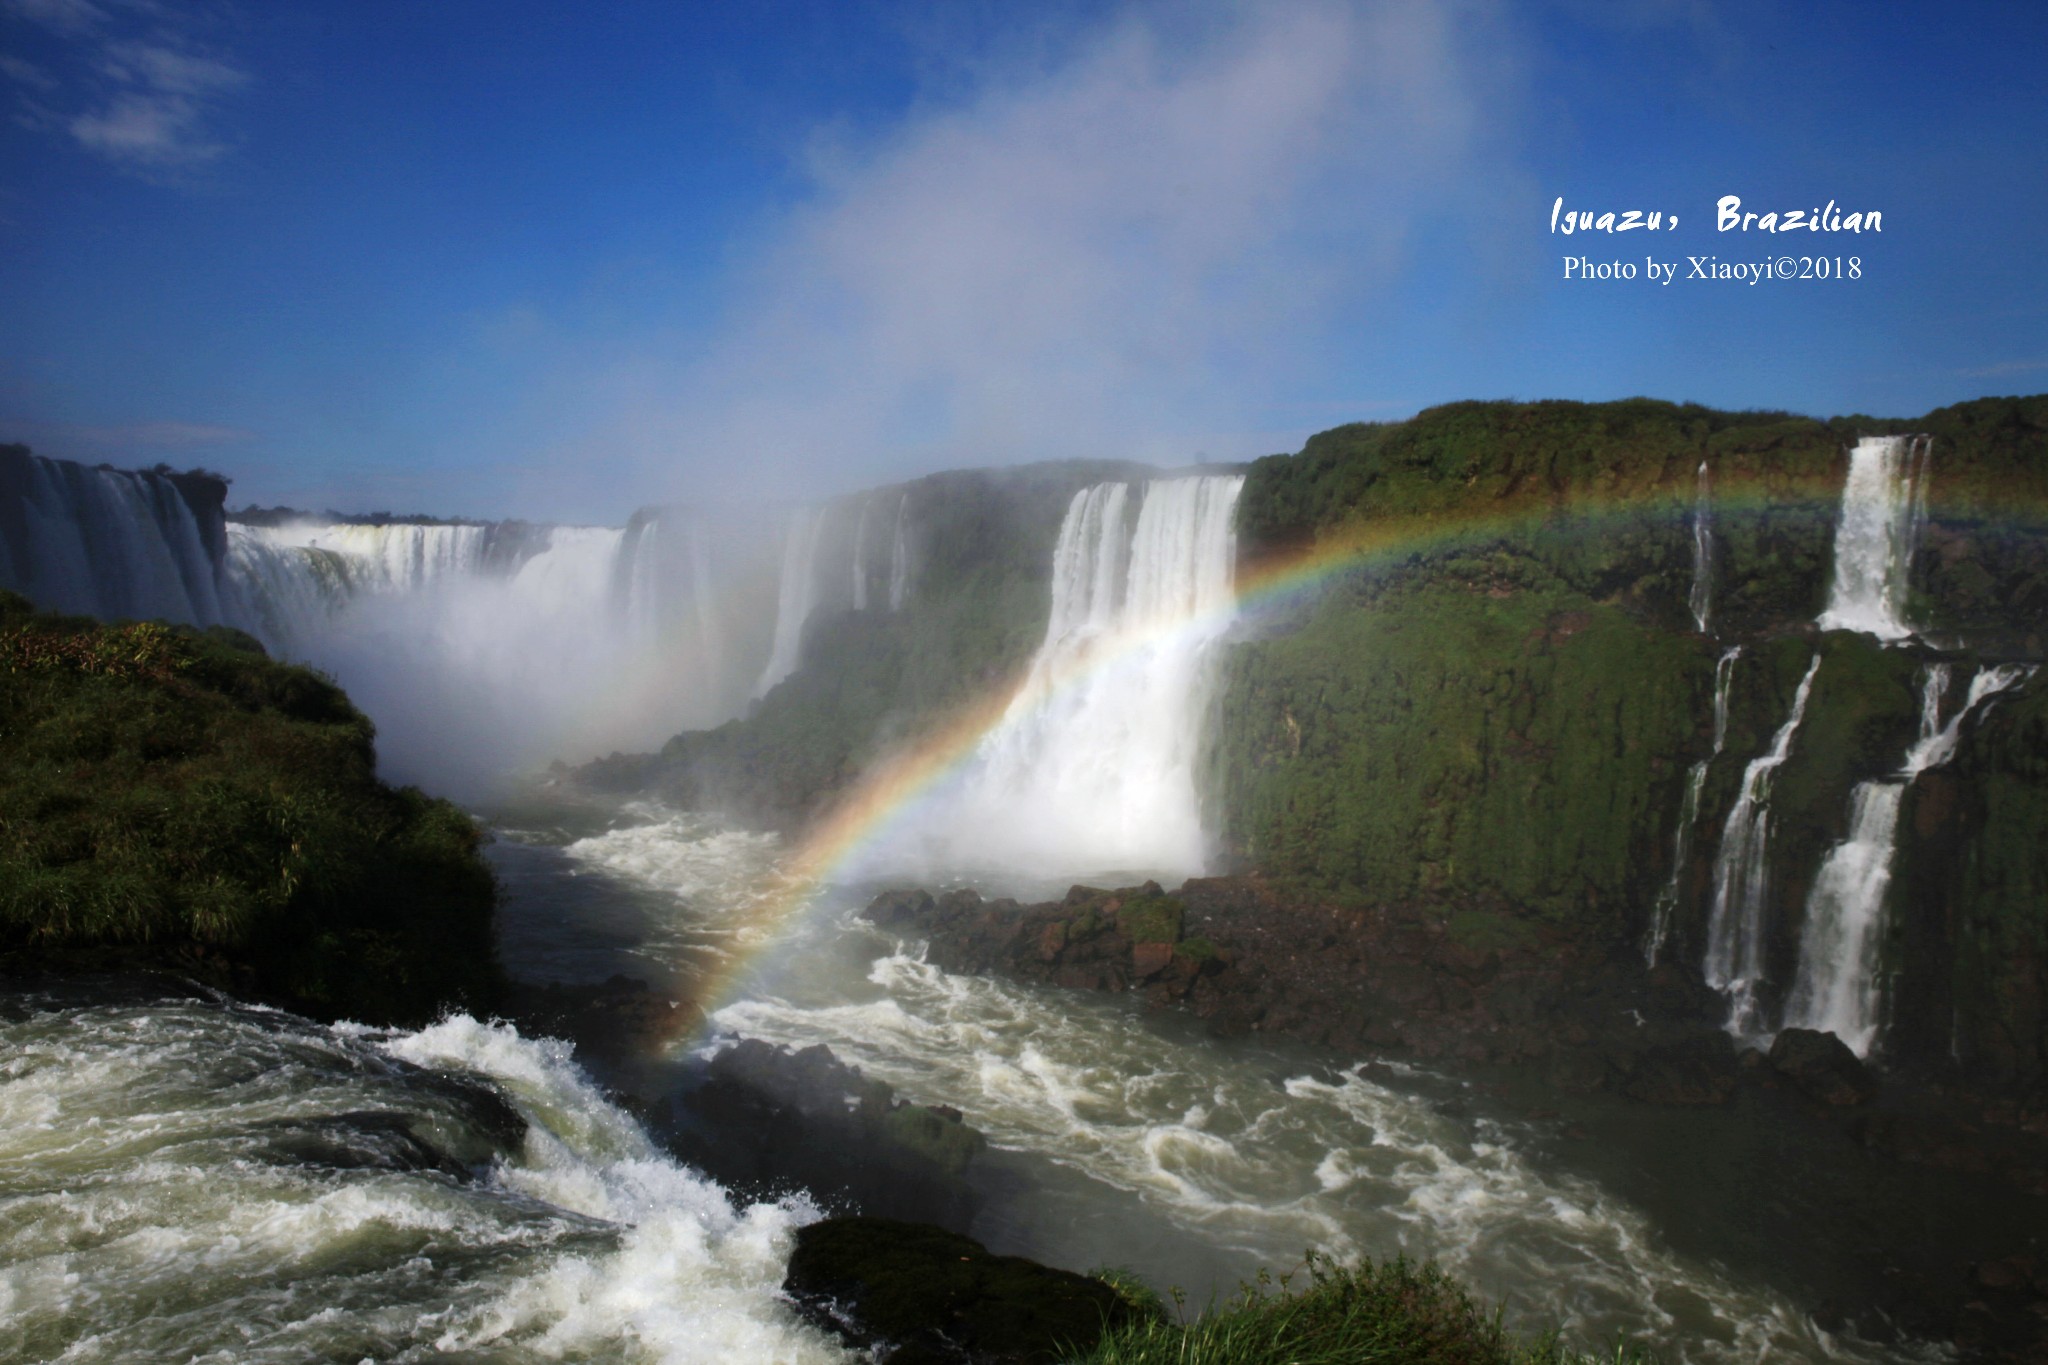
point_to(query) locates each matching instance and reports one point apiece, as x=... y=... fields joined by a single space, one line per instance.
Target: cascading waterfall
x=899 y=558
x=1884 y=510
x=1839 y=988
x=1093 y=766
x=795 y=598
x=1735 y=928
x=860 y=558
x=1701 y=597
x=479 y=648
x=1689 y=812
x=108 y=543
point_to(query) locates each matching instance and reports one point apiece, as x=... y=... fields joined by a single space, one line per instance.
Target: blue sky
x=489 y=259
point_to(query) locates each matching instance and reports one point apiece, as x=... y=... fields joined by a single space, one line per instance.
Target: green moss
x=1197 y=949
x=173 y=798
x=1151 y=919
x=1484 y=929
x=1419 y=740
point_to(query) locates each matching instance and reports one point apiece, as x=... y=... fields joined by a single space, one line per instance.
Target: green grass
x=174 y=799
x=1392 y=1312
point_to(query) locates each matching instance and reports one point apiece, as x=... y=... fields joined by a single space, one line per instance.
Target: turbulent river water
x=186 y=1178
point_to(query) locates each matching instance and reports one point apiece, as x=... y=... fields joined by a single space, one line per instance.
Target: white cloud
x=1107 y=257
x=148 y=105
x=26 y=73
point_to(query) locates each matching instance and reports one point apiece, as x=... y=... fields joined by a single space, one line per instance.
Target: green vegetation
x=1495 y=738
x=1151 y=919
x=172 y=798
x=1390 y=1312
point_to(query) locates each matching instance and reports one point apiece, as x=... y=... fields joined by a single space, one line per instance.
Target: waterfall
x=109 y=543
x=481 y=648
x=1092 y=768
x=795 y=598
x=1884 y=510
x=1735 y=930
x=860 y=558
x=1839 y=988
x=1701 y=597
x=899 y=558
x=1689 y=811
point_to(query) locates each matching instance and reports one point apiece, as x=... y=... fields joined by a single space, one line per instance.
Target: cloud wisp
x=131 y=83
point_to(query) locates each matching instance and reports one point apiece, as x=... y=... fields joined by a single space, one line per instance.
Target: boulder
x=1694 y=1071
x=918 y=1295
x=1822 y=1067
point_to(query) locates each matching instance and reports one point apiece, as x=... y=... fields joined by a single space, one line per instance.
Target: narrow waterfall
x=1701 y=597
x=1735 y=928
x=109 y=543
x=1092 y=769
x=795 y=597
x=1884 y=509
x=1689 y=812
x=860 y=558
x=1840 y=987
x=899 y=558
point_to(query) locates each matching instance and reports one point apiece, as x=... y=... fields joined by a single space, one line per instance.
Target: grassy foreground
x=175 y=799
x=1392 y=1312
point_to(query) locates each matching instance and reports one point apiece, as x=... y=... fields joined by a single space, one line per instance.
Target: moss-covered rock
x=174 y=799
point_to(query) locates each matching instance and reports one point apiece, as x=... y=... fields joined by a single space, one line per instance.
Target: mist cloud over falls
x=1110 y=253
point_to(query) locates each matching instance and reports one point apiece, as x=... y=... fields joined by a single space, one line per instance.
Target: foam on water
x=183 y=1180
x=1250 y=1154
x=717 y=877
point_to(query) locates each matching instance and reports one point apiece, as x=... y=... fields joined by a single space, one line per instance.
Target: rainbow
x=890 y=792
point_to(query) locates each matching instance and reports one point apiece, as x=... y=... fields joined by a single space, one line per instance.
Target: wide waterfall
x=1735 y=927
x=1884 y=509
x=109 y=543
x=483 y=648
x=797 y=596
x=1689 y=812
x=1093 y=766
x=1840 y=986
x=1700 y=599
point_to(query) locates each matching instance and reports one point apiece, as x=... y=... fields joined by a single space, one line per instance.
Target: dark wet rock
x=2005 y=1316
x=621 y=1017
x=370 y=1140
x=1698 y=1071
x=762 y=1119
x=1822 y=1067
x=918 y=1295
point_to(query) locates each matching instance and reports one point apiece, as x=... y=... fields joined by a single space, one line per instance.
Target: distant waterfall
x=899 y=558
x=1701 y=597
x=1689 y=812
x=860 y=558
x=1092 y=769
x=1884 y=510
x=1735 y=928
x=1839 y=987
x=795 y=598
x=109 y=543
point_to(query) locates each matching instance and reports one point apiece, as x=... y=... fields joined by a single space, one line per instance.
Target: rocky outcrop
x=763 y=1119
x=918 y=1295
x=1237 y=953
